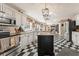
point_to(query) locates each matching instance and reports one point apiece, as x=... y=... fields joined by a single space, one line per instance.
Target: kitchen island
x=45 y=44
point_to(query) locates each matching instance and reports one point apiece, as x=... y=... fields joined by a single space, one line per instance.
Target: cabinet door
x=7 y=42
x=23 y=19
x=18 y=19
x=17 y=40
x=1 y=6
x=74 y=38
x=77 y=19
x=77 y=39
x=7 y=10
x=23 y=41
x=31 y=38
x=27 y=39
x=77 y=22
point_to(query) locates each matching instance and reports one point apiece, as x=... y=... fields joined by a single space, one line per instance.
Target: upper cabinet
x=18 y=18
x=23 y=19
x=12 y=14
x=1 y=6
x=77 y=19
x=8 y=11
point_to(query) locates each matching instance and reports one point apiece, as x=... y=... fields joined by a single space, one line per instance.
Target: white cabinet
x=75 y=38
x=7 y=10
x=1 y=6
x=66 y=34
x=77 y=22
x=4 y=44
x=24 y=22
x=35 y=36
x=24 y=41
x=31 y=37
x=77 y=19
x=18 y=18
x=23 y=19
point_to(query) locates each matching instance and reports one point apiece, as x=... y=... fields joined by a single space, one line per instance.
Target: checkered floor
x=31 y=50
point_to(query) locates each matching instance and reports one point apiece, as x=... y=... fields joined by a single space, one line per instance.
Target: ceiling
x=58 y=11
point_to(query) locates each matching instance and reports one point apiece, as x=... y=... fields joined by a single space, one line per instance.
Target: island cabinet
x=75 y=38
x=45 y=45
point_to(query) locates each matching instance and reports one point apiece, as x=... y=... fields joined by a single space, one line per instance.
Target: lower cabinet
x=4 y=44
x=13 y=52
x=35 y=36
x=31 y=37
x=24 y=41
x=66 y=36
x=75 y=38
x=9 y=45
x=27 y=39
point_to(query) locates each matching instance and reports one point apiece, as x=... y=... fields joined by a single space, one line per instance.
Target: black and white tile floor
x=31 y=50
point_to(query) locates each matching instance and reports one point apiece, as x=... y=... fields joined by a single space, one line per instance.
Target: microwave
x=4 y=20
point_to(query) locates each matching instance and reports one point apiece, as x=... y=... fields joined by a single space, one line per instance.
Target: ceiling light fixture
x=45 y=13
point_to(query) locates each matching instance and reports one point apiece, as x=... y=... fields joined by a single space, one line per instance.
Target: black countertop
x=14 y=34
x=11 y=35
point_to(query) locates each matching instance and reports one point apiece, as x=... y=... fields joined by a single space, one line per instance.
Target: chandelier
x=45 y=13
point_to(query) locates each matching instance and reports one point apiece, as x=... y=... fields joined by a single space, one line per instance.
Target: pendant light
x=45 y=12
